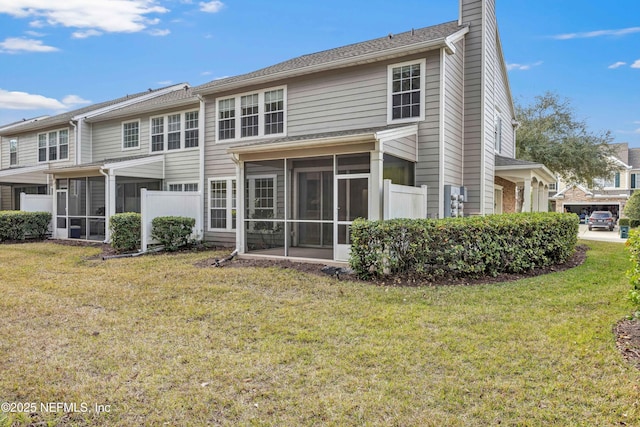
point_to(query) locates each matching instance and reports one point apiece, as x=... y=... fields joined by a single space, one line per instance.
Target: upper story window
x=405 y=85
x=498 y=134
x=259 y=114
x=174 y=131
x=131 y=135
x=53 y=145
x=612 y=182
x=13 y=152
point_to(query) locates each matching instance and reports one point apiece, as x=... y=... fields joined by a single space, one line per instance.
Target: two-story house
x=298 y=150
x=93 y=161
x=609 y=194
x=286 y=157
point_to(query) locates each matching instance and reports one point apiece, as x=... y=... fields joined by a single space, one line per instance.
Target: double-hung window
x=260 y=114
x=13 y=152
x=174 y=131
x=222 y=204
x=131 y=135
x=53 y=145
x=405 y=85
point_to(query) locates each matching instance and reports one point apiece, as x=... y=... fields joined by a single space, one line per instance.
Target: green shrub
x=633 y=245
x=462 y=247
x=20 y=225
x=172 y=231
x=632 y=208
x=634 y=223
x=624 y=221
x=125 y=231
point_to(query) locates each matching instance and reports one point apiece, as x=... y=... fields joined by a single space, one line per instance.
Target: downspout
x=107 y=235
x=201 y=139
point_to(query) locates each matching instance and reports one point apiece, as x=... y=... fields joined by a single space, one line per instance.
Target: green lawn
x=158 y=341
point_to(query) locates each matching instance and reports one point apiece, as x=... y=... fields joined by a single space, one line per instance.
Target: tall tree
x=550 y=134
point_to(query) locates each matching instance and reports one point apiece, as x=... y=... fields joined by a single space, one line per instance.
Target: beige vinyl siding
x=453 y=116
x=404 y=148
x=217 y=164
x=86 y=146
x=490 y=86
x=107 y=140
x=182 y=166
x=504 y=104
x=428 y=166
x=28 y=148
x=351 y=99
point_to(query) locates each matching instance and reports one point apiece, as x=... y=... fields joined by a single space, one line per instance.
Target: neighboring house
x=286 y=157
x=603 y=195
x=93 y=167
x=306 y=144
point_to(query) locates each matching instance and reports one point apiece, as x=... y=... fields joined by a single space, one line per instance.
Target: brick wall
x=508 y=195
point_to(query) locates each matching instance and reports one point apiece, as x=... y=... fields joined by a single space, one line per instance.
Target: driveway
x=600 y=234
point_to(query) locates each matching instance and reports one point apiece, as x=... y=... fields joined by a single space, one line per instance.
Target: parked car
x=601 y=219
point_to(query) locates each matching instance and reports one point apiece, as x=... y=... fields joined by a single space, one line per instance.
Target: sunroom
x=299 y=197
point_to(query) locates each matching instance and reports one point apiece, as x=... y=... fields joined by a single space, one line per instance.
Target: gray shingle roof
x=634 y=158
x=507 y=161
x=353 y=52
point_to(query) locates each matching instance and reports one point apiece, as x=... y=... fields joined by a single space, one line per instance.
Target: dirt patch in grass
x=628 y=340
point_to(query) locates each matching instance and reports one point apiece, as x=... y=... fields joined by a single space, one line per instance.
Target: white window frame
x=230 y=201
x=122 y=126
x=261 y=115
x=166 y=131
x=423 y=79
x=13 y=152
x=47 y=147
x=182 y=186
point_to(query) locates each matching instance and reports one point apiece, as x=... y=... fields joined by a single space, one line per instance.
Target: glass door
x=61 y=214
x=352 y=196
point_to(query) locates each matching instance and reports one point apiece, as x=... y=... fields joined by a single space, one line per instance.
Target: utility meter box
x=454 y=198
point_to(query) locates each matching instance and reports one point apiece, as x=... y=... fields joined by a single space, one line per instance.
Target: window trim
x=166 y=132
x=229 y=208
x=250 y=204
x=13 y=152
x=423 y=79
x=47 y=146
x=261 y=115
x=122 y=124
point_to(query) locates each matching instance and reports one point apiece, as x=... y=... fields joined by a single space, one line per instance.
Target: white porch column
x=377 y=186
x=240 y=209
x=112 y=192
x=534 y=197
x=543 y=206
x=526 y=195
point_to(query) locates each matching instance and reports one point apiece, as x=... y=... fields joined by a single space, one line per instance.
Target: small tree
x=632 y=208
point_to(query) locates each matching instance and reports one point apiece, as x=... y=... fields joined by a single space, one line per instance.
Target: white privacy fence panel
x=402 y=201
x=37 y=203
x=169 y=203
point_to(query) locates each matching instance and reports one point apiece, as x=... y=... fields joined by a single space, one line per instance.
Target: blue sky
x=61 y=55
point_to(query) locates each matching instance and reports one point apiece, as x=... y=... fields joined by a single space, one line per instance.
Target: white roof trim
x=568 y=187
x=115 y=165
x=620 y=162
x=21 y=170
x=389 y=134
x=131 y=101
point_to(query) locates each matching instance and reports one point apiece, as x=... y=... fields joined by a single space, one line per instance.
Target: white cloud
x=522 y=67
x=617 y=65
x=165 y=82
x=15 y=100
x=19 y=44
x=105 y=15
x=158 y=32
x=34 y=34
x=74 y=101
x=26 y=101
x=597 y=33
x=636 y=64
x=85 y=34
x=211 y=6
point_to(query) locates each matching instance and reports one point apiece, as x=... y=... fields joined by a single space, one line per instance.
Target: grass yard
x=157 y=341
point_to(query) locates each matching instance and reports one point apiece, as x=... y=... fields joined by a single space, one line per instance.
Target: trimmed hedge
x=462 y=247
x=633 y=245
x=20 y=225
x=172 y=231
x=125 y=231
